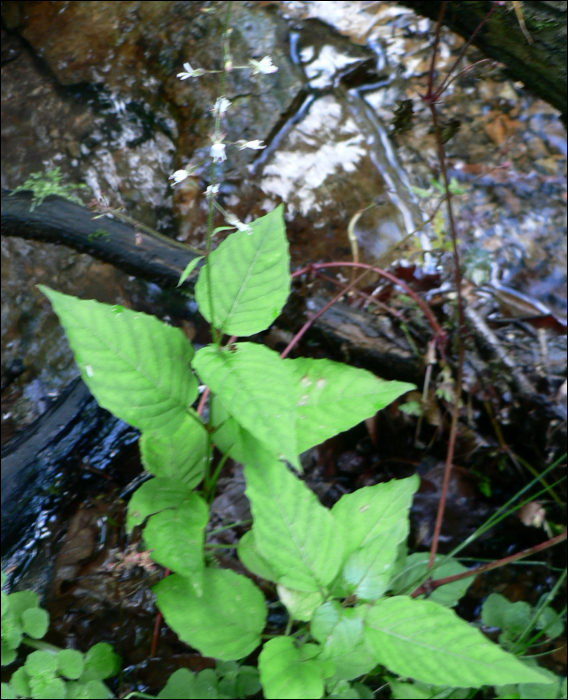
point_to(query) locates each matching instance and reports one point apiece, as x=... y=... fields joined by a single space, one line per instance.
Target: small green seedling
x=49 y=672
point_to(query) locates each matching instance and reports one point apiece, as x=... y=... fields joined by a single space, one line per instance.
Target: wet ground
x=345 y=129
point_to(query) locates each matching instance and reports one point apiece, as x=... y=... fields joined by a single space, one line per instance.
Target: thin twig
x=310 y=321
x=438 y=331
x=431 y=585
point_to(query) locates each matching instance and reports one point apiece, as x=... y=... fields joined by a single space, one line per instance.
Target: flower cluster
x=218 y=148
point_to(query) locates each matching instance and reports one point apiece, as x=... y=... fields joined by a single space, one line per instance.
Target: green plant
x=45 y=184
x=49 y=672
x=332 y=568
x=227 y=680
x=342 y=573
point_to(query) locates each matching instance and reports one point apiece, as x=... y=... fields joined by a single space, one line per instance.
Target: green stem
x=216 y=335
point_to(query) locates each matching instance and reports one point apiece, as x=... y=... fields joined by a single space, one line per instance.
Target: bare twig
x=431 y=585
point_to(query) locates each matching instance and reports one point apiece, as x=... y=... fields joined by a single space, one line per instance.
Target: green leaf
x=550 y=622
x=35 y=622
x=48 y=689
x=253 y=385
x=134 y=365
x=284 y=674
x=340 y=632
x=250 y=278
x=70 y=663
x=41 y=663
x=331 y=397
x=253 y=560
x=206 y=684
x=89 y=690
x=299 y=604
x=422 y=640
x=190 y=267
x=102 y=660
x=372 y=510
x=368 y=570
x=8 y=693
x=180 y=455
x=226 y=622
x=21 y=601
x=155 y=496
x=176 y=537
x=8 y=652
x=292 y=530
x=180 y=685
x=416 y=569
x=493 y=610
x=407 y=691
x=20 y=683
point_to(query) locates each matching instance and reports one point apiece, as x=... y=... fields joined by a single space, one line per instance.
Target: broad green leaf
x=42 y=688
x=8 y=693
x=180 y=685
x=226 y=622
x=407 y=691
x=189 y=268
x=35 y=622
x=180 y=455
x=20 y=601
x=253 y=385
x=250 y=278
x=229 y=436
x=299 y=604
x=493 y=610
x=253 y=559
x=176 y=536
x=134 y=365
x=422 y=640
x=70 y=663
x=41 y=663
x=102 y=660
x=340 y=632
x=331 y=397
x=284 y=674
x=92 y=689
x=551 y=622
x=155 y=496
x=416 y=569
x=20 y=683
x=372 y=510
x=292 y=530
x=368 y=570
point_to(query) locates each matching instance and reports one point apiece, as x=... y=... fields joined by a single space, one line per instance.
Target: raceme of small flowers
x=218 y=147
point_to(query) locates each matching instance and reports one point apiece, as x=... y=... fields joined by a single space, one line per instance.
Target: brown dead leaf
x=501 y=128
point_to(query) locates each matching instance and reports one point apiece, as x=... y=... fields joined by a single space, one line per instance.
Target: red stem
x=157 y=623
x=428 y=587
x=309 y=322
x=438 y=331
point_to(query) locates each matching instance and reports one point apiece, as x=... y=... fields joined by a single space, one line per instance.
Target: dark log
x=161 y=260
x=40 y=454
x=540 y=65
x=153 y=257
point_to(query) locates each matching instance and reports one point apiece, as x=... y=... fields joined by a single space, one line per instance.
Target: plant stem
x=438 y=331
x=432 y=585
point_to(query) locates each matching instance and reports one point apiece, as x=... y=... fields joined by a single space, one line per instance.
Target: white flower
x=190 y=72
x=263 y=66
x=232 y=220
x=211 y=191
x=255 y=145
x=180 y=175
x=218 y=152
x=220 y=106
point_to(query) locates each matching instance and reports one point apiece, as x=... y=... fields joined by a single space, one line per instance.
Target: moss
x=45 y=184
